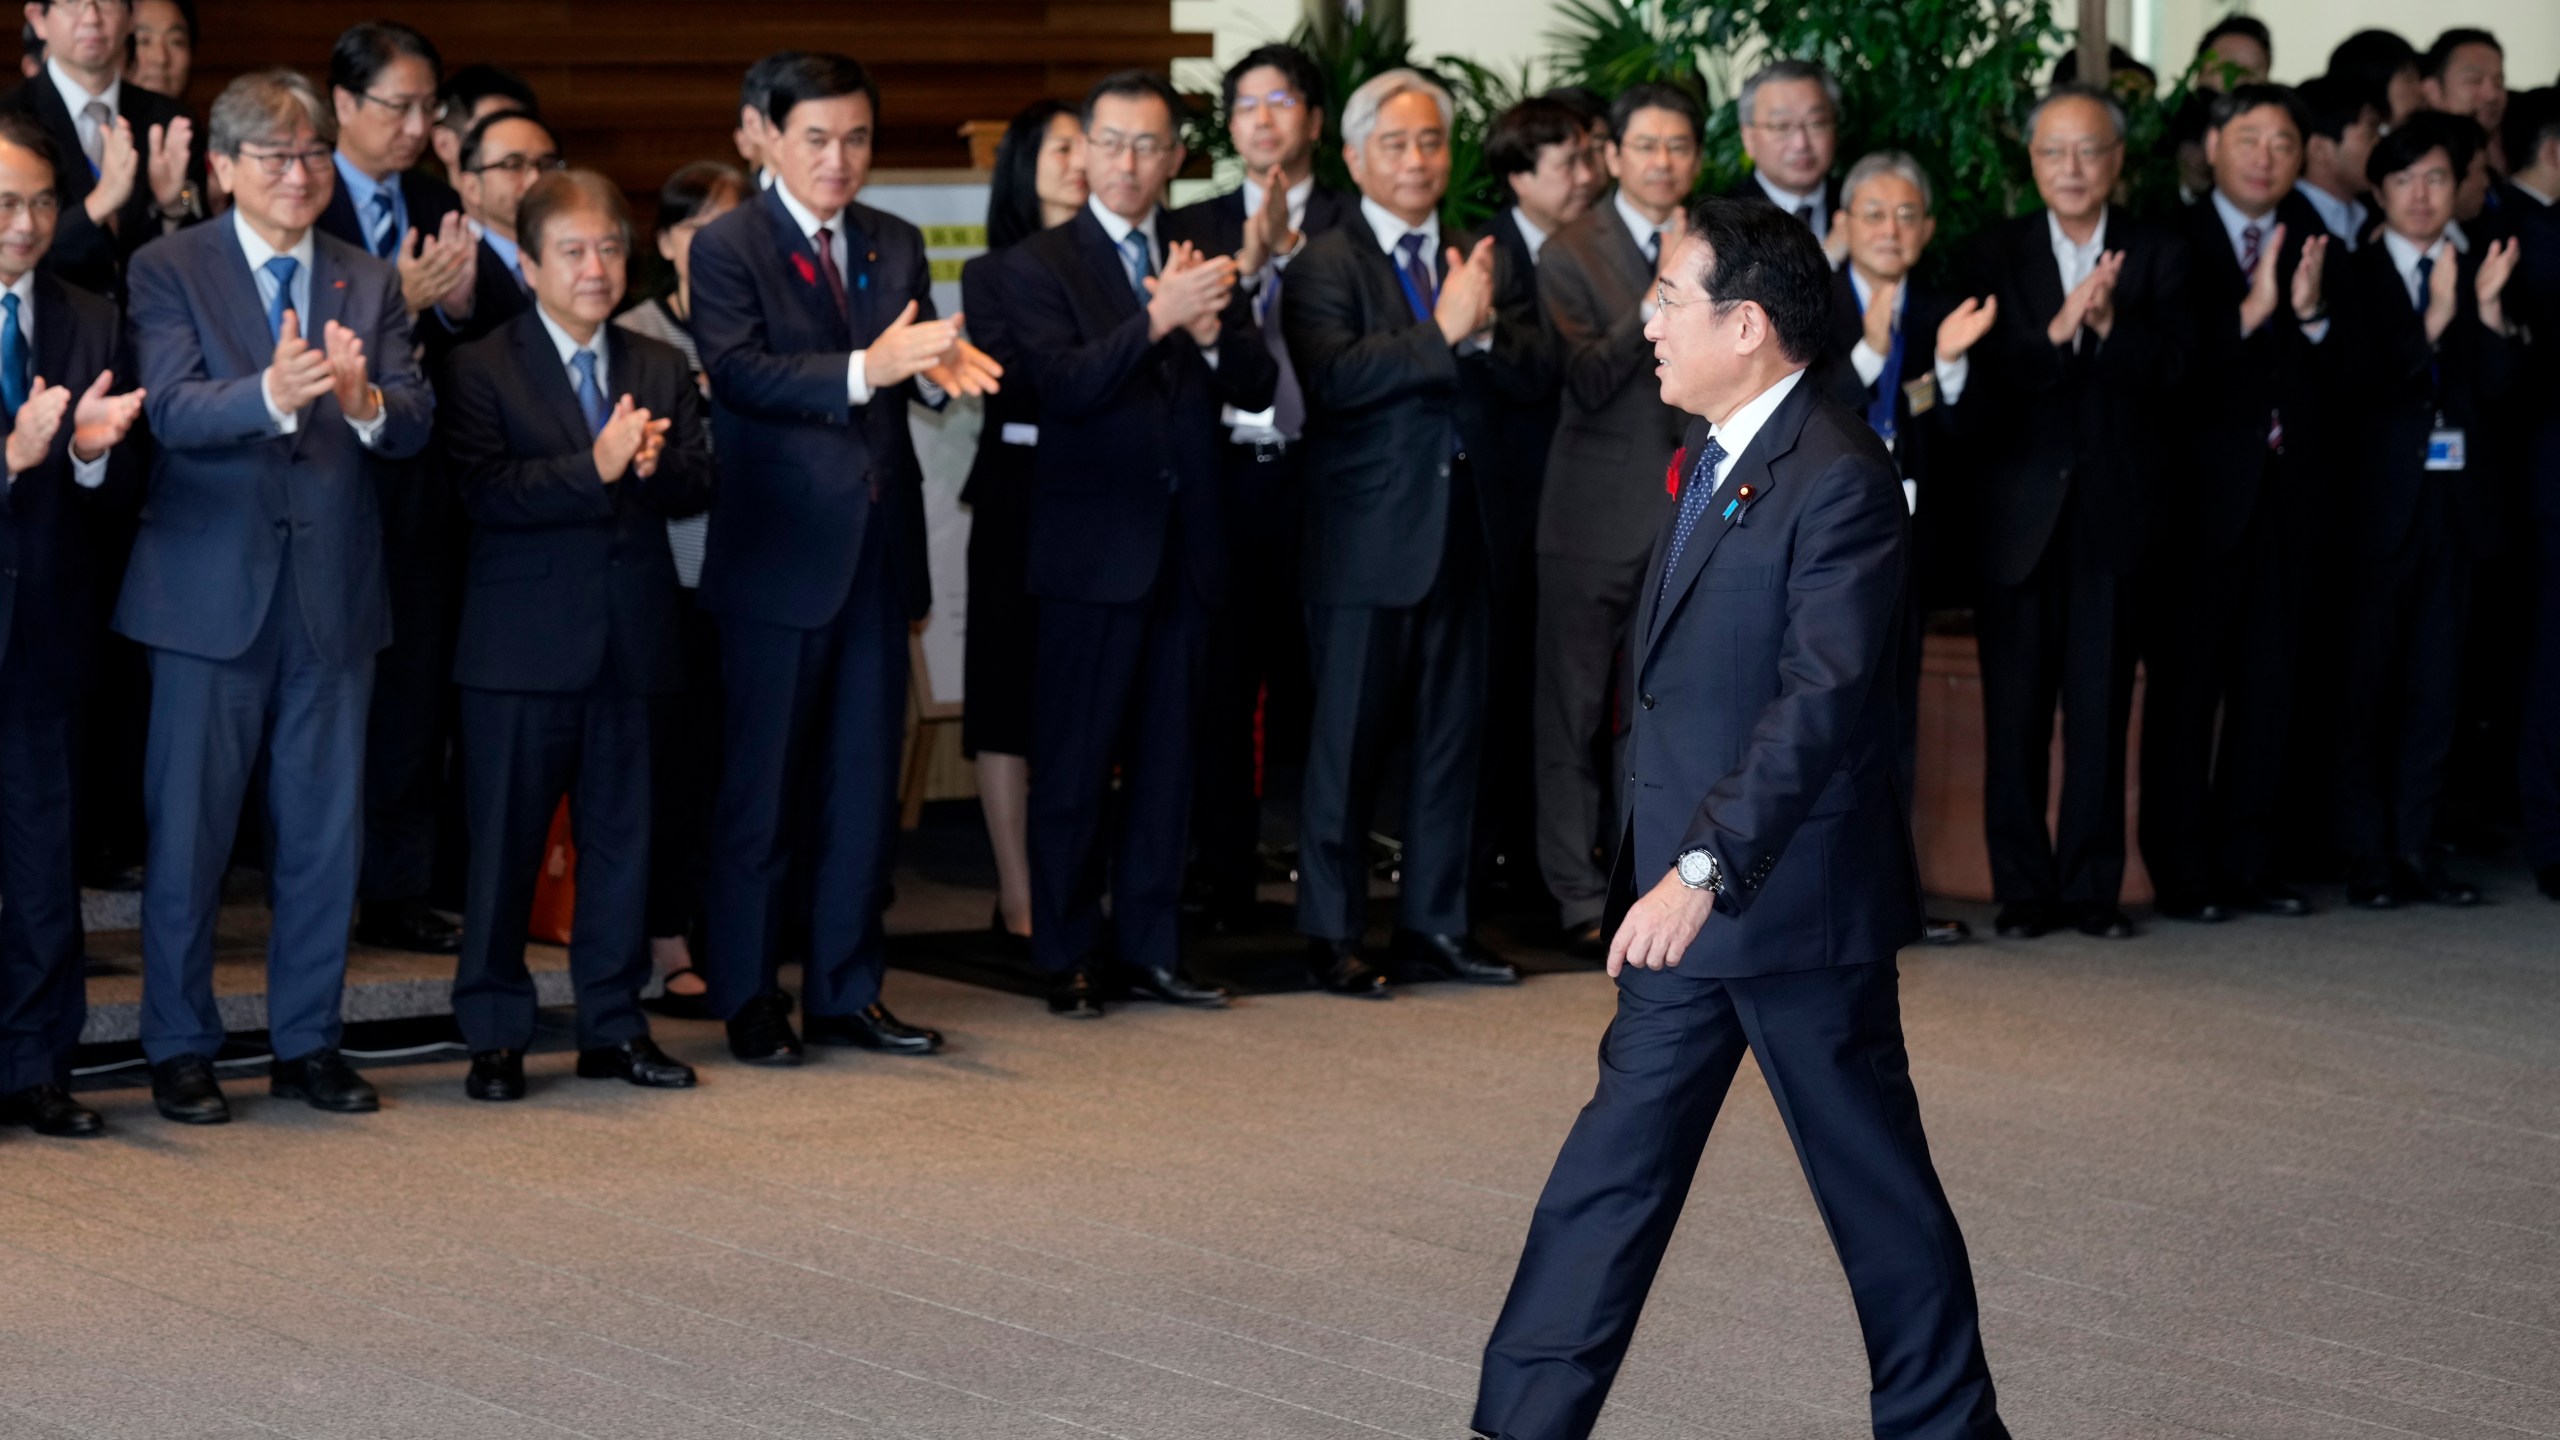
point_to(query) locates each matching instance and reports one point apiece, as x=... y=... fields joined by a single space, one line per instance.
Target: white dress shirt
x=2536 y=196
x=857 y=384
x=1530 y=234
x=2235 y=225
x=2344 y=217
x=2404 y=258
x=1863 y=357
x=87 y=474
x=259 y=252
x=1644 y=232
x=1743 y=425
x=569 y=348
x=76 y=99
x=1390 y=230
x=1794 y=204
x=2075 y=259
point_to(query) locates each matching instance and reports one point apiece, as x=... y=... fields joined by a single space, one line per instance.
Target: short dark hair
x=2066 y=70
x=1513 y=143
x=1648 y=96
x=2239 y=100
x=364 y=51
x=2248 y=27
x=2533 y=121
x=816 y=75
x=2336 y=101
x=2431 y=65
x=465 y=88
x=1293 y=64
x=2407 y=143
x=1766 y=256
x=21 y=129
x=2375 y=55
x=478 y=135
x=1013 y=193
x=1129 y=85
x=691 y=189
x=30 y=44
x=1589 y=104
x=562 y=191
x=756 y=89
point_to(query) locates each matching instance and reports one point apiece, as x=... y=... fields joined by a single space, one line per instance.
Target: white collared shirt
x=76 y=99
x=1743 y=426
x=1530 y=234
x=2404 y=258
x=2073 y=259
x=1390 y=230
x=2344 y=217
x=2528 y=192
x=258 y=252
x=87 y=474
x=1863 y=358
x=2235 y=224
x=1118 y=229
x=2454 y=232
x=508 y=252
x=569 y=349
x=1794 y=204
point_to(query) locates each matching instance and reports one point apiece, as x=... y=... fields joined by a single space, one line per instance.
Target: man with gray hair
x=1790 y=114
x=278 y=366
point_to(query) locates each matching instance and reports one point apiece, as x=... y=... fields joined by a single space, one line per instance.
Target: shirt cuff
x=933 y=394
x=287 y=422
x=857 y=384
x=368 y=431
x=90 y=474
x=2316 y=331
x=1210 y=354
x=1951 y=377
x=1864 y=359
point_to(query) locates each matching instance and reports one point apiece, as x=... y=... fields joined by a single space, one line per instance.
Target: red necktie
x=835 y=276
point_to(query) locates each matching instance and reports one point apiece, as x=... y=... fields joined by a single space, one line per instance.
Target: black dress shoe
x=2266 y=897
x=1008 y=944
x=2547 y=880
x=2023 y=921
x=325 y=1081
x=1451 y=957
x=407 y=925
x=2425 y=878
x=761 y=1034
x=2105 y=922
x=184 y=1090
x=1071 y=996
x=1937 y=931
x=115 y=879
x=2194 y=909
x=495 y=1075
x=1172 y=987
x=873 y=1028
x=48 y=1109
x=638 y=1060
x=2372 y=897
x=1339 y=967
x=1587 y=943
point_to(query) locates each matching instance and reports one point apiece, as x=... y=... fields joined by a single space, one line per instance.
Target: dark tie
x=590 y=394
x=283 y=268
x=826 y=242
x=2426 y=273
x=1288 y=401
x=1804 y=212
x=1653 y=249
x=13 y=359
x=1695 y=493
x=1419 y=291
x=386 y=233
x=1136 y=259
x=2250 y=240
x=1881 y=406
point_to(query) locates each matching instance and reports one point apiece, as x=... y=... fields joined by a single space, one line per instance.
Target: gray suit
x=256 y=582
x=1597 y=517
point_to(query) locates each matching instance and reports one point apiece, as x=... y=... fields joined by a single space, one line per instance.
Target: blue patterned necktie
x=1135 y=259
x=1883 y=407
x=590 y=394
x=13 y=359
x=2426 y=273
x=1695 y=493
x=386 y=232
x=1421 y=293
x=283 y=268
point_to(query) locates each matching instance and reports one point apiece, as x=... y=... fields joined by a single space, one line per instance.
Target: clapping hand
x=1190 y=294
x=119 y=163
x=908 y=348
x=968 y=370
x=39 y=420
x=1879 y=317
x=2259 y=304
x=298 y=374
x=2441 y=294
x=1965 y=326
x=1465 y=307
x=101 y=420
x=628 y=433
x=347 y=378
x=433 y=267
x=2497 y=263
x=169 y=146
x=2090 y=303
x=2306 y=276
x=1269 y=233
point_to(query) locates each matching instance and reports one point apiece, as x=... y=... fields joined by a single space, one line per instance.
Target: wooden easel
x=925 y=715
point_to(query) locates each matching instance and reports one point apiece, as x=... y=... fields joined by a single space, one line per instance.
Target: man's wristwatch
x=1699 y=869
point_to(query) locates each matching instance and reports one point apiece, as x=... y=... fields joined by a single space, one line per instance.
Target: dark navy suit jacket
x=1129 y=432
x=428 y=199
x=2395 y=384
x=226 y=489
x=84 y=252
x=798 y=460
x=568 y=574
x=46 y=519
x=1767 y=717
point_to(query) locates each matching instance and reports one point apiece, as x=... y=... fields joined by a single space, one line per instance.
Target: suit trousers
x=521 y=753
x=2066 y=633
x=1256 y=667
x=1829 y=1044
x=1583 y=607
x=2540 y=766
x=814 y=724
x=1118 y=685
x=1417 y=669
x=43 y=994
x=212 y=721
x=2403 y=678
x=2221 y=643
x=409 y=733
x=684 y=781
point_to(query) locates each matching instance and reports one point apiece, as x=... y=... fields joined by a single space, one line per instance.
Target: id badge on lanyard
x=2446 y=446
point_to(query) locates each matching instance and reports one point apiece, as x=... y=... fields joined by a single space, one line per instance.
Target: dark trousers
x=1380 y=675
x=1256 y=665
x=2221 y=642
x=212 y=722
x=815 y=720
x=43 y=995
x=1829 y=1043
x=2540 y=768
x=2065 y=634
x=1118 y=685
x=1583 y=607
x=521 y=754
x=410 y=729
x=684 y=777
x=2403 y=674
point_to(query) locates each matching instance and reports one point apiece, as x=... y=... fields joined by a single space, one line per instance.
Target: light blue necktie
x=1695 y=492
x=13 y=358
x=283 y=268
x=386 y=232
x=1136 y=259
x=590 y=394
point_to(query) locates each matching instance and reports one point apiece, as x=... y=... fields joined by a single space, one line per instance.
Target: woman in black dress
x=1039 y=182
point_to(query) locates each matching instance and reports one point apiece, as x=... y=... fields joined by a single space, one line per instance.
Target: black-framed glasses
x=418 y=107
x=519 y=164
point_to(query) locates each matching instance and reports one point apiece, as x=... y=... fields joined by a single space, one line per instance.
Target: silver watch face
x=1697 y=867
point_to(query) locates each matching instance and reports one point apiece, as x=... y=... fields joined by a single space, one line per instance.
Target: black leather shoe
x=2372 y=897
x=1071 y=996
x=638 y=1060
x=1451 y=957
x=2193 y=909
x=2267 y=897
x=2023 y=921
x=2425 y=878
x=2547 y=880
x=406 y=925
x=761 y=1034
x=184 y=1090
x=495 y=1075
x=1936 y=931
x=873 y=1028
x=48 y=1109
x=1338 y=966
x=1172 y=987
x=2105 y=922
x=1586 y=943
x=1008 y=944
x=324 y=1080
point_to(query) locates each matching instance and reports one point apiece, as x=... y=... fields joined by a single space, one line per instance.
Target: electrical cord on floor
x=405 y=1053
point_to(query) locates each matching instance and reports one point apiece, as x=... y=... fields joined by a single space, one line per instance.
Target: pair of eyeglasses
x=13 y=206
x=274 y=164
x=1900 y=214
x=1646 y=147
x=1279 y=102
x=2084 y=154
x=416 y=107
x=518 y=164
x=1111 y=145
x=1813 y=129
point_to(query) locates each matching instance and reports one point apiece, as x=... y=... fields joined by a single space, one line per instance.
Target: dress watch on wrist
x=1699 y=869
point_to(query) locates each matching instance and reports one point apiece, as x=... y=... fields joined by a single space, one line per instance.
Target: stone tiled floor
x=2272 y=1180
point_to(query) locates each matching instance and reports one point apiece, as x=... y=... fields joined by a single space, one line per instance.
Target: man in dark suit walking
x=2067 y=400
x=257 y=585
x=1257 y=659
x=1597 y=510
x=1764 y=874
x=568 y=629
x=814 y=316
x=59 y=353
x=1133 y=347
x=1406 y=349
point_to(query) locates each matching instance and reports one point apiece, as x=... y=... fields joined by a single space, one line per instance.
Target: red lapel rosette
x=808 y=269
x=1671 y=477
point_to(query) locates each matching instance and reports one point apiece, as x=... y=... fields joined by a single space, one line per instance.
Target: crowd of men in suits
x=405 y=530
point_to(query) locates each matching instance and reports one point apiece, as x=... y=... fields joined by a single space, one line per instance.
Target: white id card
x=2444 y=448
